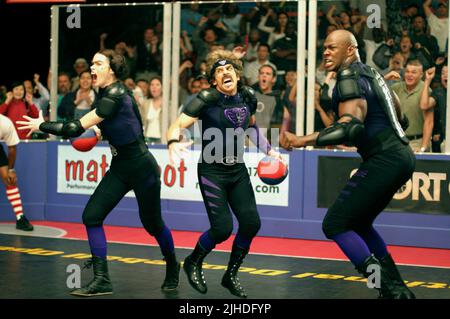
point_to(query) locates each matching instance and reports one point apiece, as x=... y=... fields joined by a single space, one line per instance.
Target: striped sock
x=13 y=195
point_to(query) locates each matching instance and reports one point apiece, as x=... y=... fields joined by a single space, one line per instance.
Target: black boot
x=24 y=224
x=101 y=284
x=389 y=289
x=230 y=279
x=389 y=266
x=172 y=273
x=193 y=268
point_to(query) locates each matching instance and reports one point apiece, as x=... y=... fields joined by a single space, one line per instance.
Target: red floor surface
x=261 y=245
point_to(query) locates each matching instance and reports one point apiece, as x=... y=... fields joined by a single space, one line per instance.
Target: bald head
x=344 y=37
x=340 y=49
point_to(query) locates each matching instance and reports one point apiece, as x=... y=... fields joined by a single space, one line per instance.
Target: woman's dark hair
x=156 y=77
x=116 y=62
x=277 y=24
x=20 y=83
x=88 y=72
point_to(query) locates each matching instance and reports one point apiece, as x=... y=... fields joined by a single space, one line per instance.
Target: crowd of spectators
x=409 y=49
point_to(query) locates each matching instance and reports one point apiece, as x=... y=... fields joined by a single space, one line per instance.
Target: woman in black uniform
x=132 y=168
x=226 y=107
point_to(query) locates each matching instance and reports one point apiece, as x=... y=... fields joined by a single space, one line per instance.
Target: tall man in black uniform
x=133 y=167
x=368 y=118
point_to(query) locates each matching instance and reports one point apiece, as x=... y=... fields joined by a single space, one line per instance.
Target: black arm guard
x=67 y=129
x=249 y=97
x=347 y=85
x=109 y=103
x=205 y=97
x=339 y=133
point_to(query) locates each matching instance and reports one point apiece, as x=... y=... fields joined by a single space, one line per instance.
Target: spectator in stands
x=206 y=35
x=141 y=92
x=204 y=83
x=381 y=56
x=129 y=83
x=251 y=70
x=186 y=48
x=409 y=92
x=3 y=91
x=323 y=114
x=149 y=57
x=289 y=100
x=18 y=104
x=185 y=72
x=76 y=104
x=378 y=35
x=40 y=94
x=438 y=22
x=128 y=52
x=284 y=51
x=79 y=66
x=400 y=18
x=437 y=101
x=254 y=39
x=396 y=70
x=277 y=32
x=194 y=86
x=345 y=21
x=256 y=14
x=190 y=17
x=64 y=85
x=422 y=39
x=270 y=109
x=151 y=113
x=233 y=19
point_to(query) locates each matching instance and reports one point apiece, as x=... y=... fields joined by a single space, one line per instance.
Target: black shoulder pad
x=347 y=84
x=109 y=103
x=107 y=107
x=117 y=89
x=195 y=107
x=249 y=96
x=209 y=96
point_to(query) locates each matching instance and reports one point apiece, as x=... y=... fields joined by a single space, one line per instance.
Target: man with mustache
x=222 y=175
x=368 y=116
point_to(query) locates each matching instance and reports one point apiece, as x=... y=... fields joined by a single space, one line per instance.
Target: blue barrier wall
x=37 y=170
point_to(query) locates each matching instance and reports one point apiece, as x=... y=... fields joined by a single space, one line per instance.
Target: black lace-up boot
x=391 y=269
x=389 y=288
x=101 y=284
x=172 y=273
x=193 y=268
x=230 y=279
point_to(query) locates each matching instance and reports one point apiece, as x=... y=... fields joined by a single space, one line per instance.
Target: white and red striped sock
x=12 y=192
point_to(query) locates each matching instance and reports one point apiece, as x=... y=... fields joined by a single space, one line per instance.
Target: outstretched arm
x=345 y=129
x=176 y=147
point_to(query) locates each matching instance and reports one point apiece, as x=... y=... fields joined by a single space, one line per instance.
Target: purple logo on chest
x=236 y=115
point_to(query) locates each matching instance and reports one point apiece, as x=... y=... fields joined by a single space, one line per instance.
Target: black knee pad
x=249 y=230
x=331 y=226
x=221 y=233
x=90 y=220
x=154 y=228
